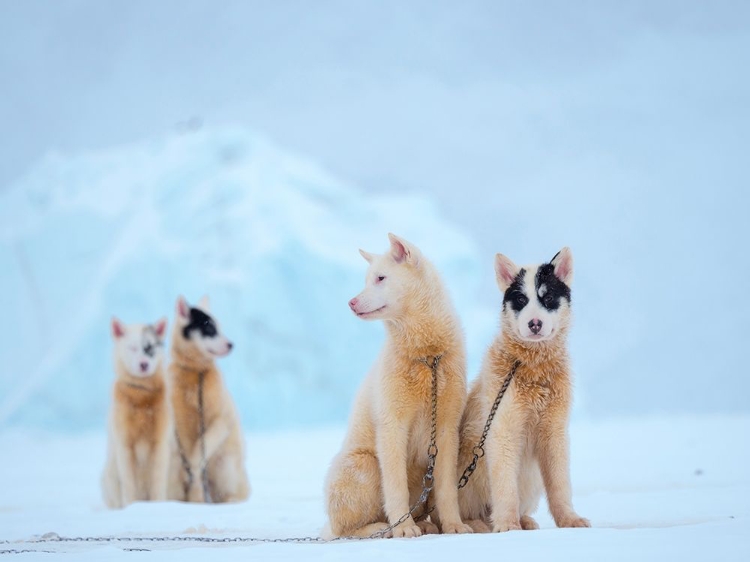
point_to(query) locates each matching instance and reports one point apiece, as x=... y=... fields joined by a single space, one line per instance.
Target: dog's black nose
x=230 y=345
x=144 y=366
x=535 y=326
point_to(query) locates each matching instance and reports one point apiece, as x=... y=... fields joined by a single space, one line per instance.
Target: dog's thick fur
x=527 y=448
x=378 y=473
x=139 y=422
x=222 y=449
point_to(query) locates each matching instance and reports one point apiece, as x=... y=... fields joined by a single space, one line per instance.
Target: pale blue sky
x=618 y=128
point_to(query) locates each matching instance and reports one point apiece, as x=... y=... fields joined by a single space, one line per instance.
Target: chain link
x=479 y=449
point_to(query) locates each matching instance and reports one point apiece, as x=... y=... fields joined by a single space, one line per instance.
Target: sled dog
x=527 y=447
x=208 y=460
x=139 y=421
x=378 y=473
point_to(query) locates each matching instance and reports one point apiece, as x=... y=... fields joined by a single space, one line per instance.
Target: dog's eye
x=381 y=278
x=520 y=299
x=208 y=328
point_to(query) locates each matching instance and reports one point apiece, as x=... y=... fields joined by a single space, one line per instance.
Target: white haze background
x=247 y=149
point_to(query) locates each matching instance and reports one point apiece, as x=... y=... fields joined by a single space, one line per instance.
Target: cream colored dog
x=527 y=447
x=139 y=423
x=378 y=473
x=208 y=460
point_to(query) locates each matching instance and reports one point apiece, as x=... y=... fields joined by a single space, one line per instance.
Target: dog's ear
x=160 y=328
x=204 y=303
x=367 y=255
x=505 y=272
x=403 y=251
x=183 y=308
x=118 y=328
x=563 y=263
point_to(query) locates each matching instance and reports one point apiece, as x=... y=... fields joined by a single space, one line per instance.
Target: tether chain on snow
x=427 y=485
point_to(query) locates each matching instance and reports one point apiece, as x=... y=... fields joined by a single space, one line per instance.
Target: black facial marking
x=555 y=288
x=202 y=322
x=150 y=341
x=515 y=295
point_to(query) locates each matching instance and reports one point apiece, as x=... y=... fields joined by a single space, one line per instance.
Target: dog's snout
x=353 y=303
x=535 y=326
x=144 y=366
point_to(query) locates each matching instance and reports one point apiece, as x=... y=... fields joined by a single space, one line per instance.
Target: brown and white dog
x=139 y=422
x=208 y=459
x=527 y=448
x=378 y=474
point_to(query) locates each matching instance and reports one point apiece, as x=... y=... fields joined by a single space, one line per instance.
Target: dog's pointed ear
x=403 y=251
x=367 y=255
x=183 y=308
x=118 y=328
x=204 y=303
x=160 y=328
x=505 y=272
x=563 y=264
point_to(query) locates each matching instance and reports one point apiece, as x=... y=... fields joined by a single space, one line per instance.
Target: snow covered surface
x=660 y=488
x=269 y=235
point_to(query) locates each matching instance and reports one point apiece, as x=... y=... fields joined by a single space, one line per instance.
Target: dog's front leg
x=205 y=448
x=553 y=453
x=450 y=408
x=159 y=471
x=503 y=452
x=392 y=442
x=125 y=460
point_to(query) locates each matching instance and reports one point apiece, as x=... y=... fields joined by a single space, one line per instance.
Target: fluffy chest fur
x=541 y=382
x=187 y=401
x=140 y=411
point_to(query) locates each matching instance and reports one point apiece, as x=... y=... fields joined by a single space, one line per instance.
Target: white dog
x=378 y=474
x=139 y=423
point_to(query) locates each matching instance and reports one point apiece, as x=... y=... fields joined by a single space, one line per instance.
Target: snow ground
x=657 y=488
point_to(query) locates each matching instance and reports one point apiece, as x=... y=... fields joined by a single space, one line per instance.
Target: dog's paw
x=195 y=494
x=378 y=530
x=529 y=523
x=456 y=528
x=573 y=520
x=407 y=531
x=428 y=528
x=478 y=526
x=506 y=525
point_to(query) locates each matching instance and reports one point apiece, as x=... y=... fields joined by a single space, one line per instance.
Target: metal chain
x=427 y=485
x=479 y=449
x=204 y=462
x=202 y=430
x=185 y=464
